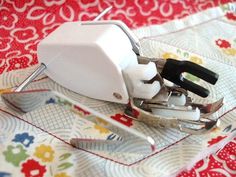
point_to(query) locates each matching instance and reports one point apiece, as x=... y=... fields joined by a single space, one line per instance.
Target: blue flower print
x=24 y=138
x=4 y=174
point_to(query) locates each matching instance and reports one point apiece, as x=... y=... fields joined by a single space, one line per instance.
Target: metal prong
x=29 y=79
x=81 y=142
x=102 y=13
x=207 y=109
x=203 y=126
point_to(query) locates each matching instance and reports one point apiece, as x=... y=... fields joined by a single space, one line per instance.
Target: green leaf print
x=64 y=156
x=65 y=165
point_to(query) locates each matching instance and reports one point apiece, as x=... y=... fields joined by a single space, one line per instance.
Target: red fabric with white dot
x=23 y=23
x=221 y=164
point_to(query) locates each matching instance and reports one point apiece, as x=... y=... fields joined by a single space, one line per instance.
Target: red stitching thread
x=131 y=164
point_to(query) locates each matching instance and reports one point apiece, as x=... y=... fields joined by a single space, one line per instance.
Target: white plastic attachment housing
x=191 y=114
x=89 y=59
x=136 y=75
x=177 y=100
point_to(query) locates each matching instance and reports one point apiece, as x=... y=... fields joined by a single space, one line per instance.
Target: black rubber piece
x=173 y=71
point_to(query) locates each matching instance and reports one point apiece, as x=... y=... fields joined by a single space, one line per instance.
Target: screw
x=117 y=96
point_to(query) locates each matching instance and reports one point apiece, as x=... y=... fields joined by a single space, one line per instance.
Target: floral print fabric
x=27 y=153
x=35 y=160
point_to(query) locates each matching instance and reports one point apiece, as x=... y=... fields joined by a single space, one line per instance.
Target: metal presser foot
x=172 y=108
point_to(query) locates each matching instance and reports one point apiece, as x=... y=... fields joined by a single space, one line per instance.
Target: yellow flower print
x=196 y=60
x=167 y=55
x=63 y=174
x=101 y=129
x=230 y=51
x=45 y=153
